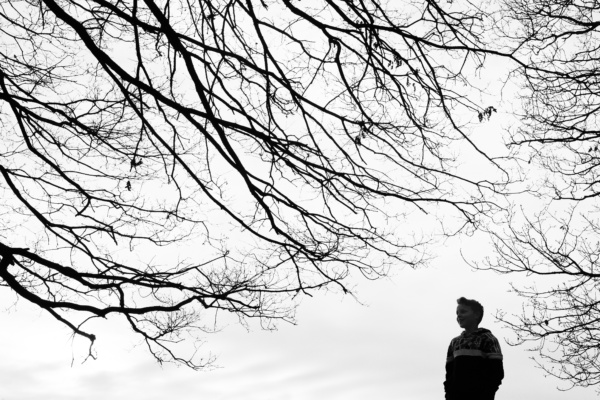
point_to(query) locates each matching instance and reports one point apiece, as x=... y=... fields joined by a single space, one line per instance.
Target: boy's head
x=469 y=312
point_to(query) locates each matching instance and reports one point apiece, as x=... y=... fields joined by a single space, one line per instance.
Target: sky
x=392 y=346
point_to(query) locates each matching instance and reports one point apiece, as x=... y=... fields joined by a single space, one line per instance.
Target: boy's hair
x=473 y=305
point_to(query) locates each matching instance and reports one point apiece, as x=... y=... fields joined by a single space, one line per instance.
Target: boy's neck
x=471 y=329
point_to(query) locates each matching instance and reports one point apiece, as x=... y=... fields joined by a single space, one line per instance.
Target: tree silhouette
x=164 y=161
x=556 y=43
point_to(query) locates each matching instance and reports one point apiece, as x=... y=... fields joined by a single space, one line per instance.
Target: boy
x=474 y=364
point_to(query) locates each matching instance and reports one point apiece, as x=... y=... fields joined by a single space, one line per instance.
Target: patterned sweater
x=473 y=366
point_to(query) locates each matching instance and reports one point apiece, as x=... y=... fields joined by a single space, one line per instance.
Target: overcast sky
x=394 y=347
x=391 y=347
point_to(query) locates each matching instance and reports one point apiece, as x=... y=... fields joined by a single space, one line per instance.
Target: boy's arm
x=494 y=363
x=496 y=373
x=449 y=372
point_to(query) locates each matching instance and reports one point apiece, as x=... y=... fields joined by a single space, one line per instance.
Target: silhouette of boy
x=474 y=368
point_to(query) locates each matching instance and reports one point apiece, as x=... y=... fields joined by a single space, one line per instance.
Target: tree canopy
x=556 y=45
x=164 y=160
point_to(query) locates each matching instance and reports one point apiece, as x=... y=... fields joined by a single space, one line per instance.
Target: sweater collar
x=478 y=331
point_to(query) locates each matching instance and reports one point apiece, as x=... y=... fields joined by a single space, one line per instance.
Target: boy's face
x=466 y=318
